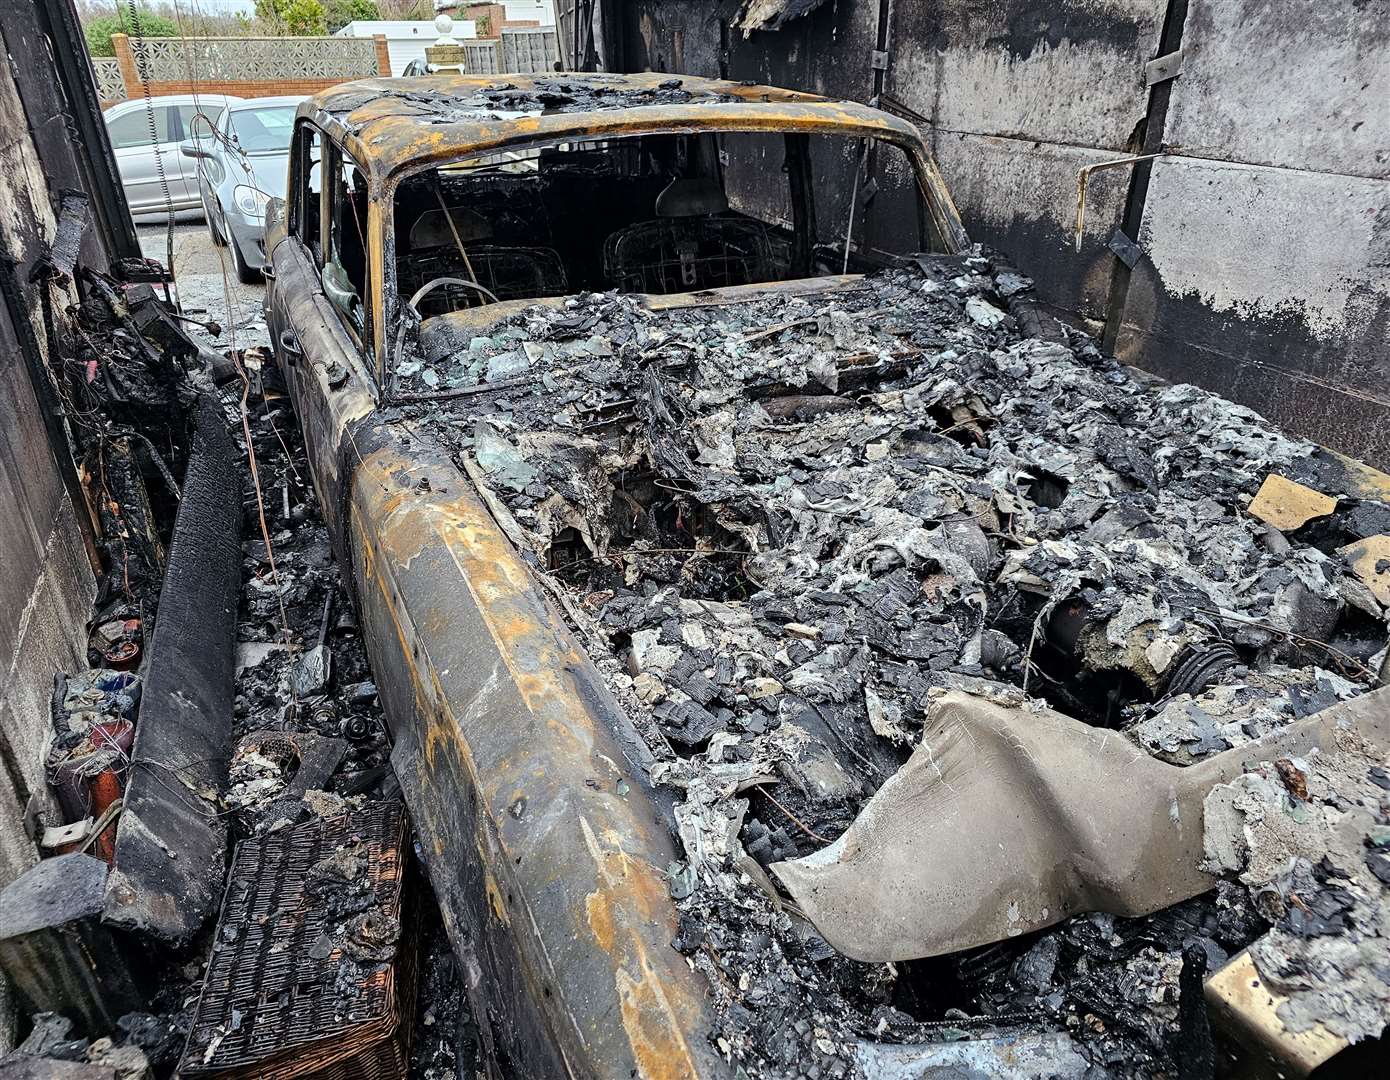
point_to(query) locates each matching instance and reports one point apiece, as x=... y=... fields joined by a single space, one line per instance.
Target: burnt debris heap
x=788 y=529
x=229 y=718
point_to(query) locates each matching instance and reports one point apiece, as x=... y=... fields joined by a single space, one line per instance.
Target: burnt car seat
x=509 y=272
x=693 y=243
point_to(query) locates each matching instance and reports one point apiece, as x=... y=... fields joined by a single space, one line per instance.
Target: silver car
x=145 y=136
x=240 y=161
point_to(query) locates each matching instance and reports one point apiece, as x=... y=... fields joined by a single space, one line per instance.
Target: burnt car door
x=317 y=305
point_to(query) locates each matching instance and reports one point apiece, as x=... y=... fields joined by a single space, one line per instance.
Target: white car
x=145 y=136
x=240 y=162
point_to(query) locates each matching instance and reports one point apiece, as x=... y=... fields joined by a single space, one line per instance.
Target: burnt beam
x=172 y=841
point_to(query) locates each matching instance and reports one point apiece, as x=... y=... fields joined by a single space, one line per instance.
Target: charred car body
x=712 y=514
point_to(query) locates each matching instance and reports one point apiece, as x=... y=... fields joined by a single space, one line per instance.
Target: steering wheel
x=430 y=286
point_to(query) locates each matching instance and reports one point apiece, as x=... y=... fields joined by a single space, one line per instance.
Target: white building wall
x=406 y=40
x=541 y=11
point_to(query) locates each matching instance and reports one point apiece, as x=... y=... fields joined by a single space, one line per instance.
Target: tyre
x=245 y=273
x=218 y=240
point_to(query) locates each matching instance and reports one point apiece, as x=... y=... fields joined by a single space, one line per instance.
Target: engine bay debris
x=784 y=523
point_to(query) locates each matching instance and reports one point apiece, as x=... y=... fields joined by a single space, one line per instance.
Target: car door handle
x=290 y=344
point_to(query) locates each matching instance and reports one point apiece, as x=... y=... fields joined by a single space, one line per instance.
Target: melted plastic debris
x=1311 y=840
x=778 y=524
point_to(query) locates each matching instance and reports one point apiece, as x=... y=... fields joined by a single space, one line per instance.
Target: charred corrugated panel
x=1271 y=287
x=543 y=841
x=168 y=871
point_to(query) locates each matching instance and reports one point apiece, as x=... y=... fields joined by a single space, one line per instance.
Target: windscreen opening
x=262 y=130
x=656 y=214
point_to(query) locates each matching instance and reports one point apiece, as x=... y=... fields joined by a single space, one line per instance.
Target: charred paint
x=420 y=552
x=509 y=747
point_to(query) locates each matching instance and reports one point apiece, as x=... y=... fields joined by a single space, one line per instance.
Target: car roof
x=174 y=99
x=394 y=125
x=242 y=104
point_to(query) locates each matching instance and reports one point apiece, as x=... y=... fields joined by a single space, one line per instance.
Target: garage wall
x=1018 y=96
x=1266 y=234
x=1263 y=227
x=47 y=587
x=1013 y=96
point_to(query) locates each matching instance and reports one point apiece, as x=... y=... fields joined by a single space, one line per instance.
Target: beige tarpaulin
x=1006 y=820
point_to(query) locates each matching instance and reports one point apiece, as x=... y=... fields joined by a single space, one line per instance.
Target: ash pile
x=802 y=537
x=219 y=590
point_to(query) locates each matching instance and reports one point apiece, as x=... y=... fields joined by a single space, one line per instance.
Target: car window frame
x=364 y=339
x=297 y=180
x=919 y=157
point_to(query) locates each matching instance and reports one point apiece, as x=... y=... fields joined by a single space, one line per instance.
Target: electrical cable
x=143 y=66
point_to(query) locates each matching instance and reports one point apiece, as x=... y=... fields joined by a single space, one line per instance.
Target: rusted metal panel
x=393 y=124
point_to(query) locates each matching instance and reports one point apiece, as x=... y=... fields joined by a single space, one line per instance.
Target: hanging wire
x=243 y=410
x=142 y=63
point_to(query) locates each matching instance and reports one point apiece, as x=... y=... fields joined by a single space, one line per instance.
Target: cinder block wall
x=1264 y=226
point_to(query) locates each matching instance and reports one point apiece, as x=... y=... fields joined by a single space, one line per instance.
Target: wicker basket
x=269 y=1008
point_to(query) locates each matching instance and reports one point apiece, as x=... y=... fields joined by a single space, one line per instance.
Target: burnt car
x=416 y=203
x=787 y=635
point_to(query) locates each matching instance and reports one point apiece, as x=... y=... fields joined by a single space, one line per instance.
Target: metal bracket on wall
x=1083 y=178
x=879 y=60
x=1162 y=68
x=1125 y=249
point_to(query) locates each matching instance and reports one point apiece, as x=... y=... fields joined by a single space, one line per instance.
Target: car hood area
x=963 y=655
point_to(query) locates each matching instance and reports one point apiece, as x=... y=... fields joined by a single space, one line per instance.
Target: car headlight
x=250 y=201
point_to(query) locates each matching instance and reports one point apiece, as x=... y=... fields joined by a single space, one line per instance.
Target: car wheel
x=218 y=240
x=245 y=273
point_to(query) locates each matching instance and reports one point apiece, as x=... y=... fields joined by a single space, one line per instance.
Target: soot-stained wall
x=1266 y=229
x=47 y=585
x=1265 y=225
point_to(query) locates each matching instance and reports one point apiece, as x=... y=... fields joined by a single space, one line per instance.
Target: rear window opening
x=656 y=214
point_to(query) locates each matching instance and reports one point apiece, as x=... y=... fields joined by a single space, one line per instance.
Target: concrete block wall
x=1266 y=231
x=1265 y=225
x=1016 y=97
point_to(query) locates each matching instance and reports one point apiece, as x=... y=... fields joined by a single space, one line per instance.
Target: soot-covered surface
x=780 y=525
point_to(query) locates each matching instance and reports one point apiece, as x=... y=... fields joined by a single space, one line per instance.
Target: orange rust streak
x=633 y=895
x=655 y=1026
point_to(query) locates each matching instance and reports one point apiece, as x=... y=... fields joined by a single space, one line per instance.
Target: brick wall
x=487 y=18
x=237 y=87
x=383 y=55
